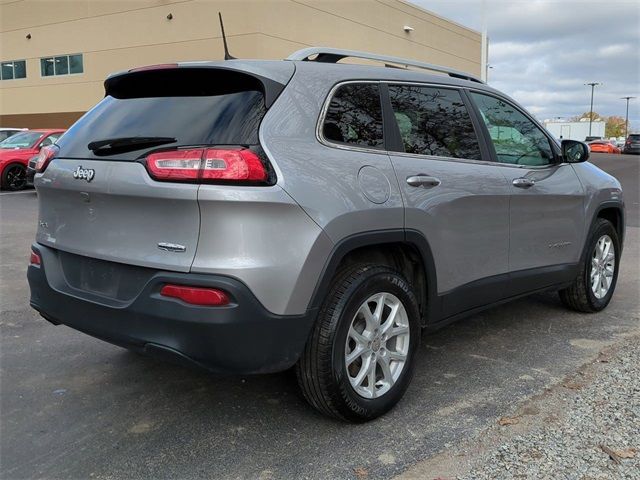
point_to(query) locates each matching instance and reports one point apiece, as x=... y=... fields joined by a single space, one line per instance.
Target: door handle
x=523 y=182
x=423 y=181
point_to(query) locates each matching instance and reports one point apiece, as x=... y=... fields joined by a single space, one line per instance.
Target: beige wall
x=120 y=34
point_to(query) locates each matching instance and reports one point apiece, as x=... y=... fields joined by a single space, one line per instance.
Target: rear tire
x=381 y=346
x=14 y=177
x=593 y=288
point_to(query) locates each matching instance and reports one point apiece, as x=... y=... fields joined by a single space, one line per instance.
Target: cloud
x=544 y=51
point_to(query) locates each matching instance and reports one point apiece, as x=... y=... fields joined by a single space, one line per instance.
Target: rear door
x=546 y=213
x=102 y=202
x=456 y=200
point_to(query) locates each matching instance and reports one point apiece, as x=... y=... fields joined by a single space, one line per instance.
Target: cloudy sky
x=544 y=51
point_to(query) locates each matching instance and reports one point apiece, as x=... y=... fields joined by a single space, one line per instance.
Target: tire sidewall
x=377 y=280
x=601 y=228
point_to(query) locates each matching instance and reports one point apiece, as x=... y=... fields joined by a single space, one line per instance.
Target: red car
x=601 y=146
x=16 y=151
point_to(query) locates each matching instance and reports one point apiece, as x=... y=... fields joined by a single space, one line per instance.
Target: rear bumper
x=240 y=338
x=631 y=150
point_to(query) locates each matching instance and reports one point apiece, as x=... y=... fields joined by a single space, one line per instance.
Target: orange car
x=603 y=146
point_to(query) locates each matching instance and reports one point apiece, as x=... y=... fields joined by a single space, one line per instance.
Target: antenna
x=227 y=56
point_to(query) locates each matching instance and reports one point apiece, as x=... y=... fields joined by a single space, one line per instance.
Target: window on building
x=61 y=65
x=354 y=116
x=13 y=69
x=434 y=121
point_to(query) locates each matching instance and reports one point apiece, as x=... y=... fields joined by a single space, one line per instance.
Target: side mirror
x=574 y=151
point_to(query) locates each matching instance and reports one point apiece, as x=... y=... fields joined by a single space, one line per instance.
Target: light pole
x=593 y=86
x=626 y=117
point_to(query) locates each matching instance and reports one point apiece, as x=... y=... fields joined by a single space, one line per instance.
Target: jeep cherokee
x=252 y=216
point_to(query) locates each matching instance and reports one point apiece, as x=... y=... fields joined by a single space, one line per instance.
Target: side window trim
x=392 y=137
x=486 y=136
x=325 y=109
x=552 y=144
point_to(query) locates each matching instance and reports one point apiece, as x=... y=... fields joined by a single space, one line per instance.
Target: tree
x=614 y=127
x=594 y=117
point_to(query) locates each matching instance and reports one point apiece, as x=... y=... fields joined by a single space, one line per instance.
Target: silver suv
x=252 y=216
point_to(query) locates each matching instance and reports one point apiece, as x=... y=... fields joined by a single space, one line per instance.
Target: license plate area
x=100 y=277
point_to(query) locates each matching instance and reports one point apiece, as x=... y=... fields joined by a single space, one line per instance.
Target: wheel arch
x=405 y=250
x=611 y=211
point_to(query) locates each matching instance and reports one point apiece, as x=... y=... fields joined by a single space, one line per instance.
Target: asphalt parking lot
x=74 y=407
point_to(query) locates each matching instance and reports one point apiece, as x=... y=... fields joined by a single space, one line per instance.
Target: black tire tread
x=576 y=296
x=314 y=367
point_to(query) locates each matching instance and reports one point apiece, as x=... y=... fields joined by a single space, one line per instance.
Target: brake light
x=196 y=295
x=207 y=165
x=35 y=259
x=45 y=156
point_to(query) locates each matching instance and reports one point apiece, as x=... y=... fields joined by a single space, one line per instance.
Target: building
x=575 y=130
x=55 y=54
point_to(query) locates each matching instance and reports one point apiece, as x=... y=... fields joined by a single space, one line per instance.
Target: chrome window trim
x=327 y=143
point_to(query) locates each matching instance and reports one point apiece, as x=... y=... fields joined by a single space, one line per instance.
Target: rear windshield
x=212 y=109
x=634 y=137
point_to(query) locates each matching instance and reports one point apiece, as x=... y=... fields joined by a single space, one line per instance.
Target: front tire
x=593 y=288
x=359 y=359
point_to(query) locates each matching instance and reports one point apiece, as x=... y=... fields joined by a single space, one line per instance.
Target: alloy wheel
x=377 y=345
x=603 y=264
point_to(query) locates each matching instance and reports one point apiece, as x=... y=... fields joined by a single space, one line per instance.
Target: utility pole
x=593 y=86
x=626 y=117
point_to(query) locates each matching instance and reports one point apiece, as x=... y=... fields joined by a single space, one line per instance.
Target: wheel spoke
x=368 y=317
x=371 y=378
x=379 y=309
x=400 y=330
x=364 y=370
x=398 y=356
x=355 y=354
x=357 y=337
x=390 y=319
x=387 y=377
x=605 y=250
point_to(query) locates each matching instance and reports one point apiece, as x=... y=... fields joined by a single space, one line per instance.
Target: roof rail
x=334 y=55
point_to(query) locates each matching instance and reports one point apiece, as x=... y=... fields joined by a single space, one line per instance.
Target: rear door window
x=354 y=116
x=434 y=121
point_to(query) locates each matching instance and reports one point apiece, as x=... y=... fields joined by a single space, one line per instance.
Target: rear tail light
x=45 y=156
x=207 y=165
x=196 y=295
x=35 y=259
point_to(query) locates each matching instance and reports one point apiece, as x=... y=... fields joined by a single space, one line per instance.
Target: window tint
x=354 y=116
x=516 y=139
x=434 y=121
x=196 y=107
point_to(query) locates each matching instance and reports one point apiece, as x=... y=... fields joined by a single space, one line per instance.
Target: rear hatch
x=123 y=183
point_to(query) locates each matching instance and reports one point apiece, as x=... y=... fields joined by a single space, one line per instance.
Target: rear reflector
x=35 y=259
x=196 y=295
x=207 y=165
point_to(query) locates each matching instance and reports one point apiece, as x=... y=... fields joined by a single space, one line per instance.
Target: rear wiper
x=127 y=144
